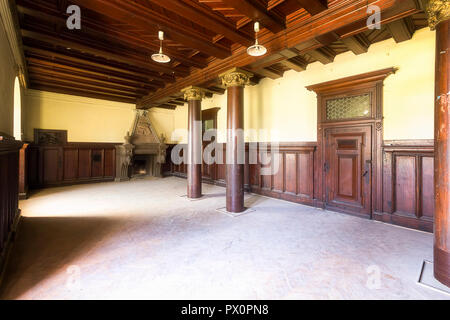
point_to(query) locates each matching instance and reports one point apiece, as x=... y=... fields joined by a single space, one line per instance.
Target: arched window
x=17 y=110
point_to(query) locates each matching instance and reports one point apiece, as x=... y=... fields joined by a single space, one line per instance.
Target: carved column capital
x=193 y=93
x=236 y=78
x=438 y=11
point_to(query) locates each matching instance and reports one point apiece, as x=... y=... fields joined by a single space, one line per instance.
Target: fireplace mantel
x=143 y=140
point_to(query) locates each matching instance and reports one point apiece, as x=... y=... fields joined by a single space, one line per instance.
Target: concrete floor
x=141 y=240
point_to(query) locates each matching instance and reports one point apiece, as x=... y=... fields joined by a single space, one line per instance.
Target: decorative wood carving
x=438 y=11
x=193 y=93
x=236 y=78
x=50 y=137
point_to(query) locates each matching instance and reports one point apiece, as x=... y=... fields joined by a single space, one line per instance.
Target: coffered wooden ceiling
x=109 y=57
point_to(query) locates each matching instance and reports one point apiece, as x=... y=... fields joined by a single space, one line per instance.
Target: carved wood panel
x=408 y=185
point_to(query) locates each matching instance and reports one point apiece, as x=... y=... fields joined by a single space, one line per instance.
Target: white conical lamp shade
x=160 y=57
x=256 y=50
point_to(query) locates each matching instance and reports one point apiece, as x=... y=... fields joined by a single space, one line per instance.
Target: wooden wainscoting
x=9 y=193
x=293 y=181
x=407 y=192
x=408 y=184
x=71 y=163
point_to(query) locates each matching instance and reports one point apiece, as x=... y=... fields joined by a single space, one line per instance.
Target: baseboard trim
x=404 y=221
x=6 y=252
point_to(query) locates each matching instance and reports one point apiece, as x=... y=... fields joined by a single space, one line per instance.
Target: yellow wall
x=86 y=119
x=7 y=77
x=163 y=121
x=283 y=107
x=290 y=111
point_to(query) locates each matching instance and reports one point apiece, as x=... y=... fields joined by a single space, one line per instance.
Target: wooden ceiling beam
x=257 y=12
x=357 y=44
x=176 y=103
x=201 y=16
x=94 y=74
x=269 y=73
x=402 y=29
x=296 y=63
x=106 y=67
x=81 y=93
x=105 y=31
x=138 y=15
x=79 y=78
x=402 y=9
x=345 y=17
x=51 y=79
x=313 y=6
x=324 y=55
x=105 y=53
x=166 y=106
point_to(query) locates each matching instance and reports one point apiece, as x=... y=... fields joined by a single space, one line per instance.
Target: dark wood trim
x=23 y=172
x=344 y=84
x=9 y=194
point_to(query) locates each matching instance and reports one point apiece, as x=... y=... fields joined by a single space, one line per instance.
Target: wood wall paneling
x=408 y=180
x=407 y=196
x=9 y=193
x=71 y=163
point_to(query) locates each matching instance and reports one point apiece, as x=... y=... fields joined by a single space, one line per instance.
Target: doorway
x=348 y=169
x=209 y=122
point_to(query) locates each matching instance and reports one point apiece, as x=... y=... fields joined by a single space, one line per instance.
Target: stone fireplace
x=143 y=152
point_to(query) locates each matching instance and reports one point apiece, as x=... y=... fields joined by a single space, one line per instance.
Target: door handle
x=366 y=176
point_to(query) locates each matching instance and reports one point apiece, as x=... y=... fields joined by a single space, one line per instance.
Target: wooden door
x=348 y=169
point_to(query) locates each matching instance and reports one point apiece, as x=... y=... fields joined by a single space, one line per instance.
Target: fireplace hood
x=142 y=141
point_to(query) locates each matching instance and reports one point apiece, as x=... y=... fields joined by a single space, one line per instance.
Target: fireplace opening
x=141 y=166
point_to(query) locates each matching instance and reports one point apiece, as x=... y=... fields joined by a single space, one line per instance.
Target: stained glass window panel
x=349 y=107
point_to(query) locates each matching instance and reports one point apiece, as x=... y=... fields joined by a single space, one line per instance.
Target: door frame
x=371 y=82
x=209 y=114
x=367 y=127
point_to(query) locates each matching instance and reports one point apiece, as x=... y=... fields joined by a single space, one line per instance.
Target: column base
x=235 y=214
x=442 y=266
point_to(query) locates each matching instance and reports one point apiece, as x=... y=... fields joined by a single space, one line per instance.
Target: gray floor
x=142 y=240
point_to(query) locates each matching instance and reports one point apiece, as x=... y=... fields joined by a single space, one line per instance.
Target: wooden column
x=194 y=96
x=439 y=15
x=235 y=81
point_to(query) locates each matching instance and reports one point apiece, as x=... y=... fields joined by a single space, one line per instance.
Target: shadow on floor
x=48 y=245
